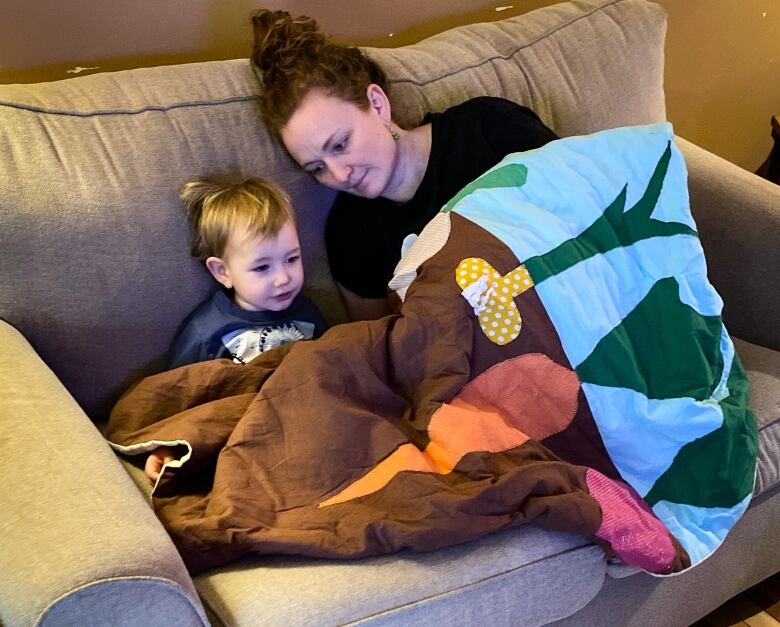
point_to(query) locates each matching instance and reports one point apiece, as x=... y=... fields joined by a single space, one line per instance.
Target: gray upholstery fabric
x=559 y=61
x=103 y=233
x=524 y=576
x=96 y=267
x=763 y=369
x=738 y=218
x=97 y=276
x=71 y=520
x=124 y=602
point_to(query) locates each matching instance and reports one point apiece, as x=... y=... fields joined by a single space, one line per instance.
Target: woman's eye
x=317 y=171
x=340 y=146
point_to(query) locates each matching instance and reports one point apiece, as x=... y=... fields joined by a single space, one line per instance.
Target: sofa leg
x=770 y=169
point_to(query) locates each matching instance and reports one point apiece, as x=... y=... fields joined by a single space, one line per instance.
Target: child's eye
x=293 y=259
x=263 y=267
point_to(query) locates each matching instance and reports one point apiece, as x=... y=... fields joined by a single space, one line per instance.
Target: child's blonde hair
x=218 y=204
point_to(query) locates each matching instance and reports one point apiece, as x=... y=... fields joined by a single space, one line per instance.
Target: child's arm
x=156 y=460
x=187 y=346
x=194 y=342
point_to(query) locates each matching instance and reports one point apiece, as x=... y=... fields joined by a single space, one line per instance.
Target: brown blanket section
x=370 y=440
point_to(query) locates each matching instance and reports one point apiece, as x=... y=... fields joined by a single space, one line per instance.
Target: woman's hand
x=156 y=461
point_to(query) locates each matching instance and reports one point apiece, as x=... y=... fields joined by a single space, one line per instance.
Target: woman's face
x=343 y=146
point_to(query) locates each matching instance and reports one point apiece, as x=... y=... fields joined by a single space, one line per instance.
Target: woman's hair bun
x=281 y=40
x=292 y=56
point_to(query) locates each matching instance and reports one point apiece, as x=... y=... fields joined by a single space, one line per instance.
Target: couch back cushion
x=583 y=66
x=95 y=267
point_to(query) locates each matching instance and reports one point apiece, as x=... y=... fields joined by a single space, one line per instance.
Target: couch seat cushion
x=531 y=574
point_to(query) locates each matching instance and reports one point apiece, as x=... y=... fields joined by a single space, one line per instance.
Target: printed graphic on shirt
x=247 y=343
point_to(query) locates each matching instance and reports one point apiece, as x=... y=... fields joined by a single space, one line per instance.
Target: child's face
x=265 y=273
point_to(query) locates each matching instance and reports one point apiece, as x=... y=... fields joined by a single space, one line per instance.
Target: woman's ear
x=219 y=271
x=379 y=102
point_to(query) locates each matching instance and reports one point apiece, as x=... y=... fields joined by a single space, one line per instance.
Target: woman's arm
x=359 y=308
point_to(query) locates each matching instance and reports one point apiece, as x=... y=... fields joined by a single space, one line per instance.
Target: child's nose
x=281 y=277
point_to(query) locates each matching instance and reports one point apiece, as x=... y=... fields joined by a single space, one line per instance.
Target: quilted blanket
x=558 y=358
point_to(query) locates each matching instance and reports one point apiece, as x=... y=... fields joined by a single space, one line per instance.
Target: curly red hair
x=293 y=56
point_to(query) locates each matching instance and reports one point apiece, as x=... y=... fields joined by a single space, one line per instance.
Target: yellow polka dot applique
x=492 y=297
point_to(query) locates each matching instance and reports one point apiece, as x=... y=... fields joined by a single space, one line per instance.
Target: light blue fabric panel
x=696 y=291
x=643 y=436
x=700 y=530
x=506 y=213
x=674 y=204
x=721 y=391
x=592 y=297
x=569 y=184
x=575 y=179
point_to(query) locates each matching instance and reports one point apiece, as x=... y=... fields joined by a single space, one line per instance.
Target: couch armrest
x=738 y=217
x=78 y=543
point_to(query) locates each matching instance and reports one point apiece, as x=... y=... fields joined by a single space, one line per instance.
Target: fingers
x=153 y=466
x=156 y=461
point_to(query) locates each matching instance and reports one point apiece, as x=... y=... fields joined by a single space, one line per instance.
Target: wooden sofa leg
x=770 y=169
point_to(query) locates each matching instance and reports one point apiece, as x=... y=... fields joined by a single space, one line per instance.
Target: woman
x=328 y=105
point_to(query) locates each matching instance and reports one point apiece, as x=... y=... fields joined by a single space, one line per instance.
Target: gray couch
x=96 y=277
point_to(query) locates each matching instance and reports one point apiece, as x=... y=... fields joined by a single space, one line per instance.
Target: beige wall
x=41 y=41
x=723 y=56
x=723 y=75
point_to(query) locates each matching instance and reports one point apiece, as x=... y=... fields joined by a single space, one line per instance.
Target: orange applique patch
x=529 y=396
x=531 y=392
x=454 y=431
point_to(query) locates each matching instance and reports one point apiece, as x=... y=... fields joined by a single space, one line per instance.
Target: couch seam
x=507 y=57
x=465 y=587
x=772 y=422
x=144 y=109
x=211 y=608
x=156 y=580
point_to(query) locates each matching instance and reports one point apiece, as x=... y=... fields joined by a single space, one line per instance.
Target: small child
x=245 y=234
